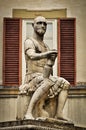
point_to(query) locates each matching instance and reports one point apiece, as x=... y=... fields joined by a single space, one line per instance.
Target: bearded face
x=40 y=26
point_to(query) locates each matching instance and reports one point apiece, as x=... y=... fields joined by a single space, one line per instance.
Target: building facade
x=68 y=15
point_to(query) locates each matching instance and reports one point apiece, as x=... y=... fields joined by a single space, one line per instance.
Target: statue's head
x=40 y=25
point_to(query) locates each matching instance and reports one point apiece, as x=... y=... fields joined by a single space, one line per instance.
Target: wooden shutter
x=12 y=52
x=66 y=45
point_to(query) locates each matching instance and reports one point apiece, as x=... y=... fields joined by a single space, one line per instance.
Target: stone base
x=48 y=124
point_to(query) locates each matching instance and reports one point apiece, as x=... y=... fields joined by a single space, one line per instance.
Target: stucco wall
x=75 y=8
x=74 y=110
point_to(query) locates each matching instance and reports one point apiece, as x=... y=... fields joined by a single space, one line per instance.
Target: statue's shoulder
x=31 y=41
x=29 y=44
x=28 y=40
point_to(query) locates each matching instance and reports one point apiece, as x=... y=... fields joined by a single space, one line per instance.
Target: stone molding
x=13 y=91
x=48 y=124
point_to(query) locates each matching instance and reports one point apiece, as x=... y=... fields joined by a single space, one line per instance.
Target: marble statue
x=49 y=93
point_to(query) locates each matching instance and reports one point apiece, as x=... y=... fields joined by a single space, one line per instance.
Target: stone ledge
x=10 y=91
x=77 y=91
x=50 y=124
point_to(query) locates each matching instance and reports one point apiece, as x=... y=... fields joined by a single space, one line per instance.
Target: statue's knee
x=66 y=85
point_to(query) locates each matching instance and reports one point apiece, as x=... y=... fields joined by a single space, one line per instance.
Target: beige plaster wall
x=8 y=108
x=75 y=8
x=74 y=110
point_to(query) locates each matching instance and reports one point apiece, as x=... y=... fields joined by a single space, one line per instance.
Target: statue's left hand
x=53 y=55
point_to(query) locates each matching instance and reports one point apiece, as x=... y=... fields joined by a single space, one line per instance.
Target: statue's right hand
x=52 y=52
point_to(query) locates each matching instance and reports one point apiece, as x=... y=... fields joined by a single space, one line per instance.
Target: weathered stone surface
x=39 y=79
x=36 y=125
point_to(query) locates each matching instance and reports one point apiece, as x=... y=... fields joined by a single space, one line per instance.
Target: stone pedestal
x=48 y=124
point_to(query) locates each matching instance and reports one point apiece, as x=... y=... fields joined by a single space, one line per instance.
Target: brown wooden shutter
x=66 y=47
x=12 y=52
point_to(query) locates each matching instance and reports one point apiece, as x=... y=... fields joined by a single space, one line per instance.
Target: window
x=12 y=52
x=67 y=49
x=50 y=39
x=63 y=35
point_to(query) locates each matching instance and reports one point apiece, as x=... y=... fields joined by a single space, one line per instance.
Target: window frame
x=54 y=38
x=5 y=45
x=74 y=48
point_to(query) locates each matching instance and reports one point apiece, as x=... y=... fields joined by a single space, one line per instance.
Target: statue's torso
x=33 y=66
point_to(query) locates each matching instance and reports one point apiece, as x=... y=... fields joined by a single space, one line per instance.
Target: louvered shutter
x=12 y=52
x=66 y=45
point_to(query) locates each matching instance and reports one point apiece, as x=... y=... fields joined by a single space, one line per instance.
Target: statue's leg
x=62 y=98
x=41 y=112
x=38 y=94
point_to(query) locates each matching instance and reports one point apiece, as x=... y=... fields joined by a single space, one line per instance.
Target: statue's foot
x=64 y=119
x=41 y=118
x=29 y=116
